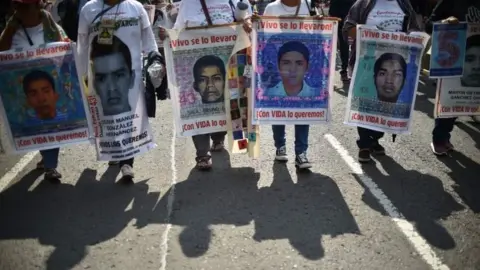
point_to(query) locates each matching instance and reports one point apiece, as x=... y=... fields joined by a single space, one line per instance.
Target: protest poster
x=385 y=79
x=197 y=60
x=116 y=94
x=461 y=96
x=150 y=11
x=294 y=64
x=448 y=50
x=43 y=105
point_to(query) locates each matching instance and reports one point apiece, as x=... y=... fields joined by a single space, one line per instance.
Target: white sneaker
x=476 y=118
x=281 y=154
x=127 y=173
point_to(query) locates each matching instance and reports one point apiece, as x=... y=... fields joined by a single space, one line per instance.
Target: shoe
x=113 y=163
x=281 y=154
x=344 y=77
x=449 y=146
x=364 y=155
x=301 y=162
x=476 y=118
x=52 y=175
x=439 y=149
x=204 y=163
x=40 y=165
x=377 y=149
x=217 y=146
x=127 y=173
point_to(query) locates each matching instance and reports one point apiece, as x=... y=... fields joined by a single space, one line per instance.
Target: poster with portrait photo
x=197 y=64
x=42 y=102
x=294 y=66
x=461 y=96
x=116 y=98
x=385 y=79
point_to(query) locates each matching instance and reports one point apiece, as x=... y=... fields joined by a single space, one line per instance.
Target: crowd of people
x=27 y=23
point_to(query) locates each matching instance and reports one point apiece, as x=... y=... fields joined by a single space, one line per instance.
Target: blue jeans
x=368 y=138
x=442 y=129
x=301 y=137
x=50 y=158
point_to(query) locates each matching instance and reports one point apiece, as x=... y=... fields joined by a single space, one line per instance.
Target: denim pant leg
x=50 y=158
x=344 y=48
x=202 y=144
x=367 y=137
x=126 y=162
x=218 y=137
x=301 y=138
x=279 y=135
x=442 y=129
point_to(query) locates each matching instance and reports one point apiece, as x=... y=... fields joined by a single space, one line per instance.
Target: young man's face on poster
x=471 y=67
x=41 y=97
x=211 y=84
x=389 y=80
x=113 y=80
x=292 y=66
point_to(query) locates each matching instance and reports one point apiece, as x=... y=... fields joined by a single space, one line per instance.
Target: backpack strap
x=205 y=11
x=232 y=6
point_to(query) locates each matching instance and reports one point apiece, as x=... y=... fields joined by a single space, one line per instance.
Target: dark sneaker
x=217 y=146
x=301 y=162
x=52 y=175
x=113 y=163
x=439 y=149
x=377 y=149
x=364 y=155
x=281 y=154
x=204 y=163
x=127 y=174
x=344 y=77
x=40 y=165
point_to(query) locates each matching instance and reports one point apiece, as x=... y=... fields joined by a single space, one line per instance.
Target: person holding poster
x=30 y=27
x=292 y=56
x=209 y=73
x=112 y=35
x=389 y=72
x=451 y=11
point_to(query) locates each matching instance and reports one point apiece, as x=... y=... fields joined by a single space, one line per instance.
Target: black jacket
x=462 y=10
x=70 y=19
x=340 y=8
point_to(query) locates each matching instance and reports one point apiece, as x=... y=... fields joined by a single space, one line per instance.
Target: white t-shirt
x=20 y=40
x=386 y=15
x=277 y=8
x=190 y=13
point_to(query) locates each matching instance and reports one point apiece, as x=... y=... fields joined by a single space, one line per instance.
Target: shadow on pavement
x=464 y=172
x=473 y=132
x=70 y=218
x=420 y=197
x=302 y=212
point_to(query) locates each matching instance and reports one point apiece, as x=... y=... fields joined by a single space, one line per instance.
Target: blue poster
x=293 y=72
x=43 y=104
x=448 y=50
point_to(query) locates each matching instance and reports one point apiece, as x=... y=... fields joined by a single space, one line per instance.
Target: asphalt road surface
x=408 y=210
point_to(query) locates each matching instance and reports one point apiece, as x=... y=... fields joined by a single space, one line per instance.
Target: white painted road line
x=13 y=172
x=418 y=242
x=170 y=201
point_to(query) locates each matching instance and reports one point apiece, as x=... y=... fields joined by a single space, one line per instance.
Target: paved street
x=408 y=210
